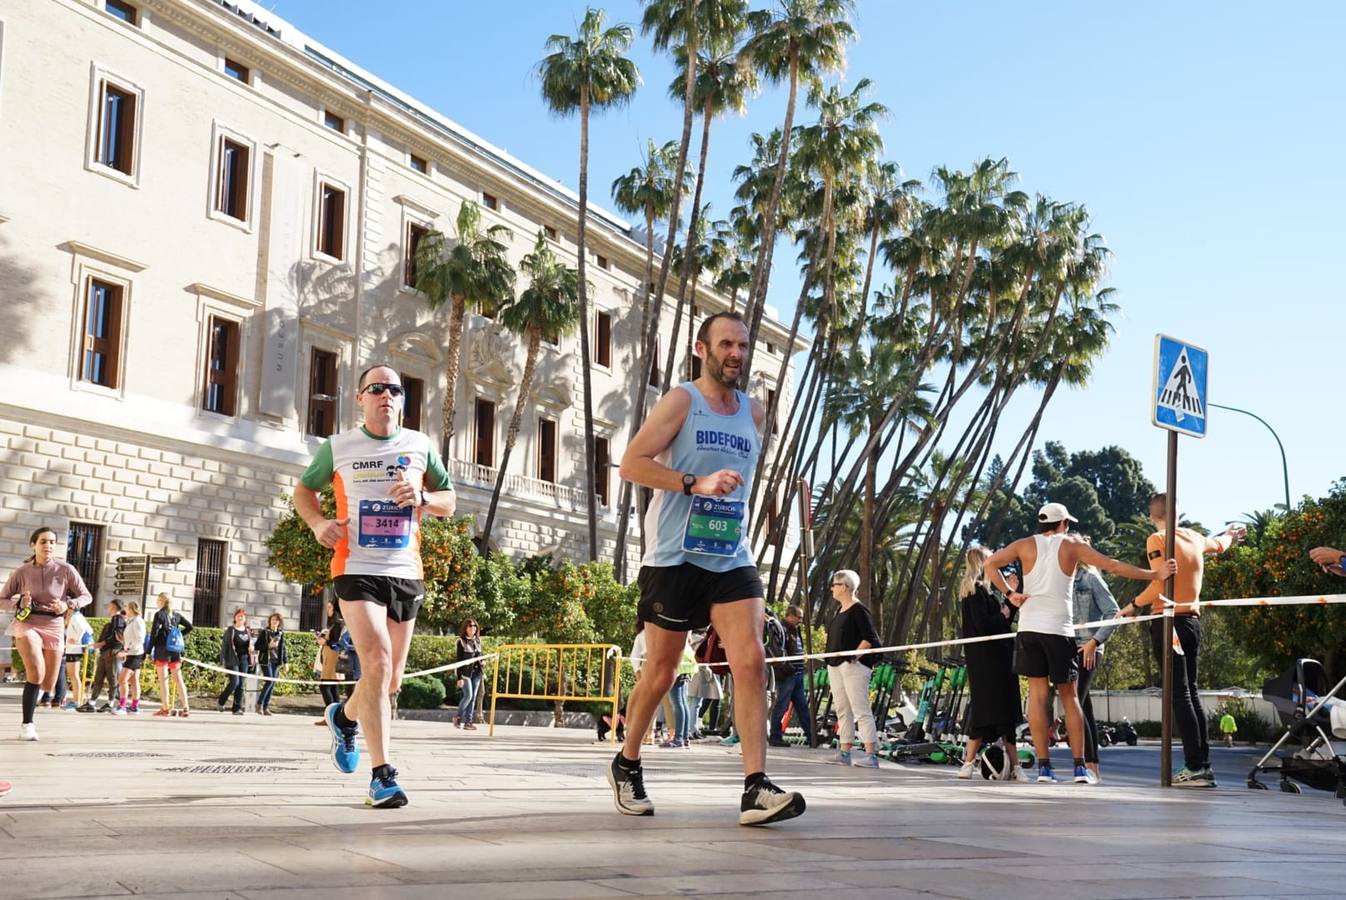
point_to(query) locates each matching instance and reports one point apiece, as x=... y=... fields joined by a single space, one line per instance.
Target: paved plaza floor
x=219 y=806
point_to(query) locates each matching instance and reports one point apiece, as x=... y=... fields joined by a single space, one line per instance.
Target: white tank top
x=1049 y=608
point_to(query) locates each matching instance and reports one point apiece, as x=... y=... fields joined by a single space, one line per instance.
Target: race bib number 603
x=714 y=526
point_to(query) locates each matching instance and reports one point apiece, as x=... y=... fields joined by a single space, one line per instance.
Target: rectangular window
x=490 y=201
x=419 y=163
x=322 y=394
x=116 y=128
x=549 y=232
x=546 y=450
x=211 y=565
x=654 y=365
x=236 y=70
x=101 y=347
x=603 y=339
x=331 y=221
x=602 y=469
x=334 y=122
x=221 y=389
x=602 y=261
x=415 y=234
x=485 y=420
x=771 y=348
x=412 y=401
x=121 y=10
x=770 y=400
x=231 y=183
x=83 y=549
x=311 y=597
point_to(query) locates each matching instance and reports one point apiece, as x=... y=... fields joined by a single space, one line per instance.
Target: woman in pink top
x=41 y=590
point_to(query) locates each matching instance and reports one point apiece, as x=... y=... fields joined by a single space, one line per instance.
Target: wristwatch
x=688 y=479
x=420 y=497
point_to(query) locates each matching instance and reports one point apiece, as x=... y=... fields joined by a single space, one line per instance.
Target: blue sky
x=1205 y=139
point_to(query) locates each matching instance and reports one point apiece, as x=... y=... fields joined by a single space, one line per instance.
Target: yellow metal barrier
x=559 y=672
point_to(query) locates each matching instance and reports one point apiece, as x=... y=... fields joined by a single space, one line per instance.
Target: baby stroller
x=1315 y=720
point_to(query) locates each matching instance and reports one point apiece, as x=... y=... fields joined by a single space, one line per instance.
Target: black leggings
x=1087 y=704
x=1187 y=711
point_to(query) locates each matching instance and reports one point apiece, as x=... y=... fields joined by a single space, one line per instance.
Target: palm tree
x=647 y=190
x=582 y=73
x=797 y=39
x=722 y=83
x=471 y=272
x=549 y=307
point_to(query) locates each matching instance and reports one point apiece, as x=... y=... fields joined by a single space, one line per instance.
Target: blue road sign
x=1179 y=388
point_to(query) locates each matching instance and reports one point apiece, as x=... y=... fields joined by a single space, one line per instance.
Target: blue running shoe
x=345 y=752
x=1084 y=776
x=1046 y=775
x=384 y=792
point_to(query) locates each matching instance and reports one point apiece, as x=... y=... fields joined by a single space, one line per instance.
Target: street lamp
x=1285 y=469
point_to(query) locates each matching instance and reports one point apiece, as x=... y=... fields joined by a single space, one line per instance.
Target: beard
x=715 y=367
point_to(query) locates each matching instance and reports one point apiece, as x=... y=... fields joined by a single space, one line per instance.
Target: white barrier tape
x=446 y=668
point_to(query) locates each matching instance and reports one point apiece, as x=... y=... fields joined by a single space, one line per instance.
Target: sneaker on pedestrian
x=1192 y=778
x=966 y=769
x=134 y=708
x=777 y=742
x=105 y=708
x=345 y=752
x=1084 y=776
x=865 y=761
x=765 y=803
x=69 y=706
x=119 y=710
x=469 y=727
x=219 y=706
x=672 y=743
x=163 y=711
x=628 y=789
x=27 y=732
x=1017 y=774
x=86 y=706
x=457 y=721
x=1046 y=775
x=841 y=758
x=383 y=790
x=238 y=712
x=1210 y=775
x=729 y=741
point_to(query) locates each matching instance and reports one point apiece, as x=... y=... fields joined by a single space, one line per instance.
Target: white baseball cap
x=1055 y=512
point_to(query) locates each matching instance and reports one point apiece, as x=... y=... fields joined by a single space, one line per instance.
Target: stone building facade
x=206 y=223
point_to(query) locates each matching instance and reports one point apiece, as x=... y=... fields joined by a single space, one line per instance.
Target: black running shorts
x=402 y=596
x=134 y=663
x=1038 y=655
x=679 y=597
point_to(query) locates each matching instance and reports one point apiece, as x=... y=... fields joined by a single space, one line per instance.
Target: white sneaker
x=1019 y=774
x=28 y=732
x=119 y=710
x=965 y=772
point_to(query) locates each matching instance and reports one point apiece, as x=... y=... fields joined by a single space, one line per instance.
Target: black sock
x=30 y=694
x=340 y=718
x=630 y=765
x=382 y=770
x=753 y=780
x=1079 y=761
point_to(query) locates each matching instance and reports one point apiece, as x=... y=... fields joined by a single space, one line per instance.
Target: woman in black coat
x=272 y=656
x=237 y=654
x=996 y=709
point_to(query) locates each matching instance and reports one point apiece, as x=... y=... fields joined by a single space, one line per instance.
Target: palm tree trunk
x=511 y=436
x=869 y=275
x=452 y=355
x=761 y=276
x=688 y=250
x=587 y=375
x=624 y=493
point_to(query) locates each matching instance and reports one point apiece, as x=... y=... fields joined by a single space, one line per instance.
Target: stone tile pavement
x=224 y=807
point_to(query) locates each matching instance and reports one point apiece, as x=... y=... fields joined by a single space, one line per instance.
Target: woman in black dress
x=996 y=709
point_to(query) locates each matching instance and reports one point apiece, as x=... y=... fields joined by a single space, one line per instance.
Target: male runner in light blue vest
x=698 y=451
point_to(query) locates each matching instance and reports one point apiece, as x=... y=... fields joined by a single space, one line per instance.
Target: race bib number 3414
x=384 y=525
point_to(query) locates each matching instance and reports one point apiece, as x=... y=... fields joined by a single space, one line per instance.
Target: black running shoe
x=628 y=790
x=765 y=803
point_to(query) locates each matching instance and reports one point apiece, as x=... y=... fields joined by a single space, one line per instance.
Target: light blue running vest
x=705 y=536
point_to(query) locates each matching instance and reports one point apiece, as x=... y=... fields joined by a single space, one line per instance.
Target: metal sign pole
x=1170 y=537
x=805 y=561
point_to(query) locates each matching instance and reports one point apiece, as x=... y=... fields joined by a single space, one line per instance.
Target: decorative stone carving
x=490 y=353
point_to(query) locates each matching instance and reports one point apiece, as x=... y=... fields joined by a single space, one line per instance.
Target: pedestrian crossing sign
x=1179 y=387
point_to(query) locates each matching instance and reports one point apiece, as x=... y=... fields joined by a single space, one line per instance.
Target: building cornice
x=79 y=248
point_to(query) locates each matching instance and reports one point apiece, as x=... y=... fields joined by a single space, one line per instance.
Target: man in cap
x=1044 y=648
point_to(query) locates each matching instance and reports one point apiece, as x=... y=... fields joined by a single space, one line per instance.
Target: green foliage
x=421 y=693
x=1252 y=728
x=578 y=604
x=1279 y=565
x=293 y=550
x=450 y=564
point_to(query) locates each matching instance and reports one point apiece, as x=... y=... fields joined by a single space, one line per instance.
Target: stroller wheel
x=1289 y=787
x=1257 y=786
